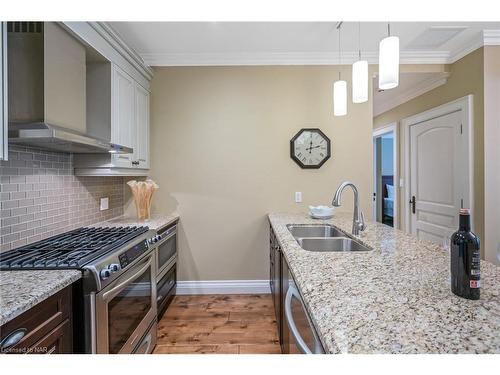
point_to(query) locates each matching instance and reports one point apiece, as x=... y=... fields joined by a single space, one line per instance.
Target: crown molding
x=113 y=38
x=491 y=37
x=487 y=37
x=284 y=58
x=417 y=90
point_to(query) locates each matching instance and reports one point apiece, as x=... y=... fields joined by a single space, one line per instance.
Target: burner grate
x=69 y=250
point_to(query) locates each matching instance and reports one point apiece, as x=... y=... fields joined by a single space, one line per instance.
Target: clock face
x=310 y=148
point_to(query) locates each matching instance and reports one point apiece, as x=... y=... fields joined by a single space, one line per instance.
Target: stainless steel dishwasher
x=299 y=335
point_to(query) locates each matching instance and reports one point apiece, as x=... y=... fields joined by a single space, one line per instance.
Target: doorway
x=438 y=169
x=385 y=175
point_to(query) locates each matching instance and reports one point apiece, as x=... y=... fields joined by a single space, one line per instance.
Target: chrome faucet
x=358 y=219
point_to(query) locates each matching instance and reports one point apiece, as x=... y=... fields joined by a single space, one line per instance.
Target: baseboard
x=223 y=287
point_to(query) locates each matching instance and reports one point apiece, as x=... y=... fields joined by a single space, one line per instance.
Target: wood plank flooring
x=219 y=324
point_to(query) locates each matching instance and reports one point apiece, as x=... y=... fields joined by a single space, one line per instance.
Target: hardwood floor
x=219 y=324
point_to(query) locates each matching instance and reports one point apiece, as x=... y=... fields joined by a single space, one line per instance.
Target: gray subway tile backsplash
x=40 y=196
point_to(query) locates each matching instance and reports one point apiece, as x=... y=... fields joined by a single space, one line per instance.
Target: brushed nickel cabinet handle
x=13 y=338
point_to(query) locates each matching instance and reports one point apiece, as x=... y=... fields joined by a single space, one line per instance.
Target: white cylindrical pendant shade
x=339 y=98
x=360 y=81
x=388 y=63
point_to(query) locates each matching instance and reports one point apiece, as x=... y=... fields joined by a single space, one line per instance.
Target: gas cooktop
x=70 y=250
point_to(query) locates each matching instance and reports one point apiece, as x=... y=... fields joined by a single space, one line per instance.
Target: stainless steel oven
x=166 y=247
x=126 y=310
x=166 y=269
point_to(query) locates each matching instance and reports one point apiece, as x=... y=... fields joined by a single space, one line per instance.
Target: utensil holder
x=143 y=194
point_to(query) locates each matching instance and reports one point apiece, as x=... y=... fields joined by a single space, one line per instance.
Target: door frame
x=394 y=128
x=464 y=105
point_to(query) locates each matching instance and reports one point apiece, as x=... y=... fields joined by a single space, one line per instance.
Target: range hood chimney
x=47 y=90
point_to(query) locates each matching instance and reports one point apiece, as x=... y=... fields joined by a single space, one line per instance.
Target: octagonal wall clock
x=310 y=148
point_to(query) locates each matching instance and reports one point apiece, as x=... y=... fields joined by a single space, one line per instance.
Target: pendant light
x=339 y=88
x=388 y=61
x=359 y=76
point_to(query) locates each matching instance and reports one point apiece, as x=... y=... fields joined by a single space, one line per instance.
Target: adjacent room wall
x=220 y=153
x=491 y=241
x=466 y=77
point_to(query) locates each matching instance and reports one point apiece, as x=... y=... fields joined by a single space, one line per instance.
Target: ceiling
x=410 y=86
x=277 y=43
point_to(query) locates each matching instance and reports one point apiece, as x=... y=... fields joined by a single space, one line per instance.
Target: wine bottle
x=465 y=259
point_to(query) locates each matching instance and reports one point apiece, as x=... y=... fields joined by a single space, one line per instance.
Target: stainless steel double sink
x=324 y=238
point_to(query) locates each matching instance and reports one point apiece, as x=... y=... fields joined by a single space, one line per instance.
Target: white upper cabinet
x=130 y=120
x=3 y=91
x=117 y=103
x=141 y=149
x=123 y=116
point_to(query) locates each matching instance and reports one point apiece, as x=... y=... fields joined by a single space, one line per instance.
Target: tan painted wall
x=466 y=77
x=220 y=153
x=491 y=241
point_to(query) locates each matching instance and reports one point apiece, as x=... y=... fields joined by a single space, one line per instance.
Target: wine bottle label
x=475 y=272
x=474 y=284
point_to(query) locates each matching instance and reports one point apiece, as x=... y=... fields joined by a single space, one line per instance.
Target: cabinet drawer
x=58 y=341
x=38 y=322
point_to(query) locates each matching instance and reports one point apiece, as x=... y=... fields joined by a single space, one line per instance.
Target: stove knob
x=114 y=267
x=105 y=273
x=159 y=237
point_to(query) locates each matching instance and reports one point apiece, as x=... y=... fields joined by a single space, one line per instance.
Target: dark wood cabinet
x=44 y=329
x=275 y=280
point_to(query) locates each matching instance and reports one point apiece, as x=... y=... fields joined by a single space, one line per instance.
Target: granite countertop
x=21 y=290
x=156 y=221
x=394 y=299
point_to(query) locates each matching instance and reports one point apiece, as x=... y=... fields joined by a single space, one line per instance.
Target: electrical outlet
x=298 y=197
x=104 y=204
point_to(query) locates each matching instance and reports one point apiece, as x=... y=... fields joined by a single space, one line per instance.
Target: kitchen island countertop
x=394 y=299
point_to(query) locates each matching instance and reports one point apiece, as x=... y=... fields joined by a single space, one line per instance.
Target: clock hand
x=311 y=147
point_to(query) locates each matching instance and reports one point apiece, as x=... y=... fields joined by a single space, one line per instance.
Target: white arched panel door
x=438 y=176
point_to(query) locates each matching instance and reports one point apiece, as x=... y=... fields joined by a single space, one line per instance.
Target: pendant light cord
x=339 y=26
x=359 y=40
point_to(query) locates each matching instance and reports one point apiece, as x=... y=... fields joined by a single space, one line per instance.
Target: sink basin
x=331 y=244
x=301 y=231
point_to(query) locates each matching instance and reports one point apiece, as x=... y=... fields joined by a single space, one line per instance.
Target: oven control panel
x=155 y=239
x=132 y=254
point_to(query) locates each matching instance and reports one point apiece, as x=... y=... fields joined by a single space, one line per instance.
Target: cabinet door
x=3 y=91
x=141 y=153
x=58 y=341
x=123 y=116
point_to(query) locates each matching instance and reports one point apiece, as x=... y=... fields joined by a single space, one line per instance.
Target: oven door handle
x=128 y=280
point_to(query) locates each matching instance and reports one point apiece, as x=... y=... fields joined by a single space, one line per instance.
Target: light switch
x=104 y=203
x=298 y=197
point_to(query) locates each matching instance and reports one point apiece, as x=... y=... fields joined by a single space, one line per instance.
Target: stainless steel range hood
x=60 y=139
x=47 y=90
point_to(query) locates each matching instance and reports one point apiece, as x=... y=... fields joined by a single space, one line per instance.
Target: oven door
x=126 y=308
x=166 y=249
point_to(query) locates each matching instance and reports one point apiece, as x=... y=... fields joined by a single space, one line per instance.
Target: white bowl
x=321 y=211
